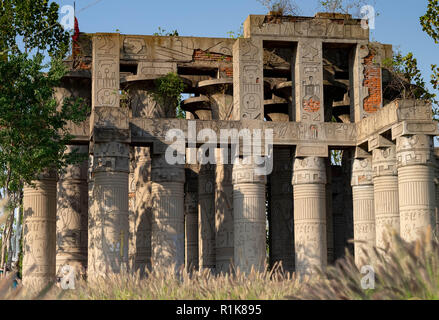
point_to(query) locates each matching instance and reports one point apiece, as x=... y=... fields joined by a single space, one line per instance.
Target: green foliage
x=344 y=6
x=163 y=33
x=33 y=23
x=280 y=7
x=408 y=81
x=168 y=90
x=32 y=134
x=237 y=34
x=430 y=21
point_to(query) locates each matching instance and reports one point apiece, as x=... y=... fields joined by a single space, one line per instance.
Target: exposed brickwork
x=225 y=71
x=372 y=81
x=200 y=55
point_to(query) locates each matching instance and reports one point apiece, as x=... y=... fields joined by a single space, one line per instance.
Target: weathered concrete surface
x=249 y=218
x=309 y=180
x=39 y=232
x=363 y=210
x=416 y=185
x=386 y=195
x=191 y=217
x=281 y=210
x=167 y=193
x=108 y=228
x=72 y=215
x=206 y=217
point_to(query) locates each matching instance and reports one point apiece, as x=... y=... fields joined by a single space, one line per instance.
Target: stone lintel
x=361 y=153
x=149 y=131
x=405 y=128
x=304 y=27
x=312 y=150
x=393 y=113
x=377 y=141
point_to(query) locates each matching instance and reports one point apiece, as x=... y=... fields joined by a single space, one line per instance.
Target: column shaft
x=72 y=215
x=386 y=195
x=39 y=236
x=167 y=231
x=223 y=216
x=363 y=210
x=249 y=218
x=416 y=185
x=108 y=229
x=309 y=179
x=281 y=204
x=191 y=217
x=206 y=216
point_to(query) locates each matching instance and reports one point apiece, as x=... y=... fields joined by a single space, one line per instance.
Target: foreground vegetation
x=408 y=271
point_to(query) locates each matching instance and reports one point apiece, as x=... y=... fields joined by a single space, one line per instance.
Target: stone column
x=39 y=233
x=329 y=213
x=206 y=217
x=309 y=179
x=191 y=217
x=108 y=220
x=141 y=231
x=167 y=232
x=385 y=181
x=416 y=185
x=249 y=218
x=281 y=206
x=72 y=215
x=363 y=210
x=224 y=221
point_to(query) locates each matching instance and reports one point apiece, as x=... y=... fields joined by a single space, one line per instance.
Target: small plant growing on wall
x=280 y=7
x=168 y=90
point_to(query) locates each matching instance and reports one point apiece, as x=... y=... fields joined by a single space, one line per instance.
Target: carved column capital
x=246 y=173
x=384 y=162
x=362 y=173
x=309 y=170
x=414 y=150
x=111 y=157
x=162 y=171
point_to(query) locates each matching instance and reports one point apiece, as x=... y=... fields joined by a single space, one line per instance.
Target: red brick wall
x=372 y=81
x=200 y=55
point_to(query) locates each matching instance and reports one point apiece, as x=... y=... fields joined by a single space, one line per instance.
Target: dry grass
x=408 y=271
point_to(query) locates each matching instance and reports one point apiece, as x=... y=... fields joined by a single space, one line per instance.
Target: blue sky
x=397 y=23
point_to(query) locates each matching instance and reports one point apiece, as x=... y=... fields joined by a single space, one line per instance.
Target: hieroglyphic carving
x=303 y=27
x=72 y=215
x=206 y=217
x=249 y=218
x=309 y=81
x=248 y=79
x=385 y=179
x=39 y=232
x=105 y=78
x=224 y=234
x=167 y=227
x=416 y=162
x=309 y=180
x=363 y=210
x=288 y=133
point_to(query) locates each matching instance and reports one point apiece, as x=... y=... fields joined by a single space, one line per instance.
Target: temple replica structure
x=317 y=82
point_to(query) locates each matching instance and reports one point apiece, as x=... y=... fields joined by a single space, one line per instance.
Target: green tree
x=32 y=134
x=430 y=24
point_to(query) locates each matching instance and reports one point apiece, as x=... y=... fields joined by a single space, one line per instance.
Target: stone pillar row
x=392 y=191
